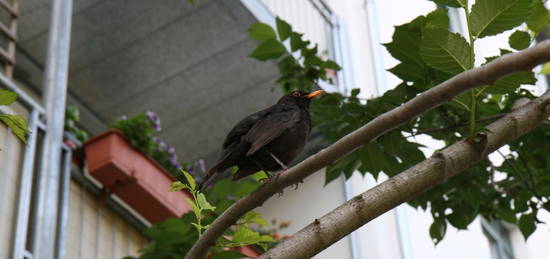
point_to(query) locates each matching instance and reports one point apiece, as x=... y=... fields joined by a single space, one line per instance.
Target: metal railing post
x=55 y=86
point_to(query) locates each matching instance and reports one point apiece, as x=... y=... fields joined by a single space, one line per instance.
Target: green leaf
x=17 y=124
x=254 y=217
x=511 y=82
x=462 y=217
x=445 y=51
x=283 y=28
x=392 y=141
x=203 y=203
x=491 y=17
x=245 y=236
x=527 y=225
x=177 y=186
x=519 y=40
x=228 y=255
x=409 y=72
x=437 y=230
x=189 y=179
x=7 y=97
x=539 y=18
x=406 y=38
x=331 y=65
x=269 y=49
x=261 y=31
x=296 y=41
x=196 y=209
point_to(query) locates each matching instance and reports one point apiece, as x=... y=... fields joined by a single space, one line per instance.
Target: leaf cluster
x=16 y=123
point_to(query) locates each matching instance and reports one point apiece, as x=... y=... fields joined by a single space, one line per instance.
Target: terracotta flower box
x=135 y=178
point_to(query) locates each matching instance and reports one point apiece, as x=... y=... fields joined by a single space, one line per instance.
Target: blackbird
x=267 y=140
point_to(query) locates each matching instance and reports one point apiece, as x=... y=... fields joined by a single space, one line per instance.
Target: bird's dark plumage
x=266 y=140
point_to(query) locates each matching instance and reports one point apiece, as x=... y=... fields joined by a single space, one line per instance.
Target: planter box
x=135 y=178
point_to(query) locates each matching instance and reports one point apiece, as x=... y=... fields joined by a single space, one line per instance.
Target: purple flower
x=178 y=166
x=171 y=149
x=190 y=169
x=153 y=118
x=202 y=166
x=161 y=144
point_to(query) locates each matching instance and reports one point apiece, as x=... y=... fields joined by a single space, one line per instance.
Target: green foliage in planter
x=72 y=116
x=140 y=131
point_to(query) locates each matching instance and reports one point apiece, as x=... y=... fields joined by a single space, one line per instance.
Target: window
x=499 y=239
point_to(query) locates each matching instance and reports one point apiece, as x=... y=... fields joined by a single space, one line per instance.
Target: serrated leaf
x=392 y=141
x=190 y=180
x=445 y=51
x=519 y=40
x=527 y=225
x=437 y=19
x=177 y=186
x=261 y=31
x=491 y=17
x=437 y=230
x=245 y=236
x=405 y=45
x=203 y=203
x=7 y=97
x=409 y=72
x=511 y=82
x=539 y=18
x=269 y=49
x=254 y=217
x=296 y=41
x=283 y=28
x=17 y=124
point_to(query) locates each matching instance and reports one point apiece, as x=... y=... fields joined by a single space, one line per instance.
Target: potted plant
x=129 y=161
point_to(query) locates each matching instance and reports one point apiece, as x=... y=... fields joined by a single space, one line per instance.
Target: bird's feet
x=283 y=166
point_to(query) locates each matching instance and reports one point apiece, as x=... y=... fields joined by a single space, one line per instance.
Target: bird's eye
x=296 y=94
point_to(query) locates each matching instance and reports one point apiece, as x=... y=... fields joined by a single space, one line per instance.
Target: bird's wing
x=270 y=127
x=243 y=127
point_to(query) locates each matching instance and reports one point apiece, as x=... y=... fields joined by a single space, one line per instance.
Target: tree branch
x=447 y=163
x=444 y=92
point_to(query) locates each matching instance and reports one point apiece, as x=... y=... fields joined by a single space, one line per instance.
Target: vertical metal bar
x=23 y=204
x=64 y=204
x=55 y=85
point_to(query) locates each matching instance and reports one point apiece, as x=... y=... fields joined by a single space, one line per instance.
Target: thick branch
x=447 y=163
x=444 y=92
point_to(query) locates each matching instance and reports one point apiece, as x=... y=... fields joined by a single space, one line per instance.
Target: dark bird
x=267 y=140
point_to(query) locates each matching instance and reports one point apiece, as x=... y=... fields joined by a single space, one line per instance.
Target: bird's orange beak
x=314 y=94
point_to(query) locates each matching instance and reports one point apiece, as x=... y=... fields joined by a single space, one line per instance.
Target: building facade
x=189 y=64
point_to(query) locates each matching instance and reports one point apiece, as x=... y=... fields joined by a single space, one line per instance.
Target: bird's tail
x=210 y=177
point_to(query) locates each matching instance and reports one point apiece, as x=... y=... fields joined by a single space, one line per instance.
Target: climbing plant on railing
x=16 y=123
